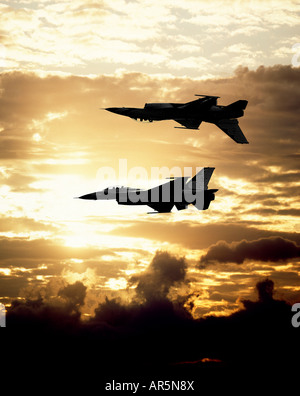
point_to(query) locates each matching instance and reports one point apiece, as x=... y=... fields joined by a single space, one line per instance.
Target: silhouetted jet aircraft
x=191 y=114
x=179 y=191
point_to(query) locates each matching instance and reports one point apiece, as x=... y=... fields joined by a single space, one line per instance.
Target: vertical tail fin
x=238 y=105
x=200 y=182
x=201 y=179
x=235 y=109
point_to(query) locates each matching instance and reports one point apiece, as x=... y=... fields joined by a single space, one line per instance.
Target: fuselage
x=162 y=194
x=191 y=114
x=174 y=111
x=178 y=191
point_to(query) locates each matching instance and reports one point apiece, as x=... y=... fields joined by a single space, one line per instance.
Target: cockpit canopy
x=159 y=106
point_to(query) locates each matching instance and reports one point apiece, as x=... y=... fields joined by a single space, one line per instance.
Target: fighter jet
x=179 y=191
x=191 y=114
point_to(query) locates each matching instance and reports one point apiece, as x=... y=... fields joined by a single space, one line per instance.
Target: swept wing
x=188 y=123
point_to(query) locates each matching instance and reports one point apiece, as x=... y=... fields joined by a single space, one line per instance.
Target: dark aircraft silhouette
x=191 y=114
x=178 y=191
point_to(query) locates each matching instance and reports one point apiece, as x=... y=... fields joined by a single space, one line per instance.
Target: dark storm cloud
x=60 y=315
x=122 y=332
x=274 y=249
x=163 y=272
x=265 y=290
x=149 y=337
x=74 y=294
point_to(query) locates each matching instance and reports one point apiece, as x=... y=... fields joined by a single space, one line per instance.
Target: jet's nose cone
x=89 y=196
x=117 y=110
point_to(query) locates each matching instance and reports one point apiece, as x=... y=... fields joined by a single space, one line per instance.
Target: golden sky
x=62 y=62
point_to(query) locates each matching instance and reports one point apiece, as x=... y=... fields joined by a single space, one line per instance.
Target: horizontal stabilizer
x=232 y=129
x=181 y=205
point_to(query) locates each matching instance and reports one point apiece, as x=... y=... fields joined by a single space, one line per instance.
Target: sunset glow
x=61 y=64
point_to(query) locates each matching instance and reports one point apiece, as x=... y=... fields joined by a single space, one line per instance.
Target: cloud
x=67 y=37
x=77 y=43
x=23 y=224
x=192 y=235
x=265 y=290
x=273 y=249
x=272 y=95
x=53 y=311
x=40 y=249
x=58 y=315
x=153 y=335
x=74 y=294
x=39 y=178
x=163 y=272
x=280 y=212
x=27 y=263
